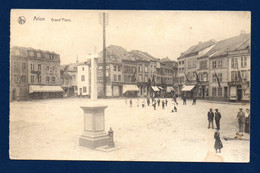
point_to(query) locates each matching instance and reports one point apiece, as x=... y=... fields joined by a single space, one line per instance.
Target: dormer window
x=38 y=55
x=31 y=53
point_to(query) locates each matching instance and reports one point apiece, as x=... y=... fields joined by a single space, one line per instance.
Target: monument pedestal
x=94 y=134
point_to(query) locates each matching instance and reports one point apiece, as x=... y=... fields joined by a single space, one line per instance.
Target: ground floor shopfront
x=44 y=92
x=19 y=93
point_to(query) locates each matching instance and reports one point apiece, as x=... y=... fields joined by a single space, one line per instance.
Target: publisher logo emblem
x=21 y=20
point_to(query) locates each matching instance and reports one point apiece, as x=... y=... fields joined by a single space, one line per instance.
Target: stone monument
x=94 y=134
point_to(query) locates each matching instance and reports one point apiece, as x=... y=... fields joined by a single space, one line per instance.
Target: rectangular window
x=140 y=78
x=115 y=77
x=119 y=77
x=146 y=78
x=114 y=68
x=220 y=77
x=82 y=78
x=182 y=62
x=51 y=70
x=140 y=68
x=82 y=68
x=214 y=91
x=234 y=76
x=32 y=66
x=119 y=68
x=203 y=64
x=47 y=79
x=53 y=79
x=219 y=91
x=32 y=78
x=39 y=67
x=234 y=62
x=84 y=89
x=214 y=64
x=39 y=79
x=47 y=68
x=214 y=79
x=146 y=68
x=244 y=61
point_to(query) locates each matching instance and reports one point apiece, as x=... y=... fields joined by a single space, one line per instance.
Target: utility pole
x=104 y=53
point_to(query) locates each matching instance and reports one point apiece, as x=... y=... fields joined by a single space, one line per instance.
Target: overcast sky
x=160 y=33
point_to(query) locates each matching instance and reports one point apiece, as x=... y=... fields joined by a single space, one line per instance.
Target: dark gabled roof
x=229 y=44
x=198 y=47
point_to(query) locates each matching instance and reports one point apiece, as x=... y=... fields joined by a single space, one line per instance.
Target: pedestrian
x=218 y=144
x=241 y=119
x=247 y=121
x=194 y=100
x=184 y=99
x=174 y=109
x=210 y=118
x=131 y=102
x=137 y=102
x=143 y=104
x=163 y=104
x=154 y=105
x=217 y=118
x=158 y=101
x=175 y=99
x=148 y=101
x=166 y=101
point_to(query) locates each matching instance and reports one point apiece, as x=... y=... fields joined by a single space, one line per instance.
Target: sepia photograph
x=130 y=85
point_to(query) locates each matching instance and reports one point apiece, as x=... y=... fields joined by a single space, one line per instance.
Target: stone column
x=94 y=77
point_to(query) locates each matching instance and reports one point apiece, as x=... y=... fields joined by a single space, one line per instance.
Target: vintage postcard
x=121 y=85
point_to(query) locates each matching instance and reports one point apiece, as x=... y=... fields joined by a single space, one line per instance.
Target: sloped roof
x=32 y=49
x=199 y=47
x=142 y=56
x=229 y=44
x=166 y=59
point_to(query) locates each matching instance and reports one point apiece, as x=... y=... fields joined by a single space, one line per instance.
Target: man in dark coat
x=184 y=99
x=210 y=118
x=163 y=104
x=175 y=99
x=158 y=101
x=131 y=102
x=217 y=118
x=148 y=101
x=241 y=119
x=194 y=100
x=166 y=101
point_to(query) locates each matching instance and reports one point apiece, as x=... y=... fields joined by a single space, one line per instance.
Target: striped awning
x=42 y=88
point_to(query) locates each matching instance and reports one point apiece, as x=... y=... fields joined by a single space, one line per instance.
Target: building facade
x=83 y=80
x=34 y=74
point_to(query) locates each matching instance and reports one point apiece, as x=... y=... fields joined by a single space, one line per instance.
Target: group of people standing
x=243 y=121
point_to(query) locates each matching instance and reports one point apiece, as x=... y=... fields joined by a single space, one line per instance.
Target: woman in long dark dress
x=218 y=144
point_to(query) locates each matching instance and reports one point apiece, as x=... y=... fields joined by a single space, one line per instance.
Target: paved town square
x=50 y=129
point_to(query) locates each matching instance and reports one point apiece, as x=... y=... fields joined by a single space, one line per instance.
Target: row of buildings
x=216 y=70
x=209 y=70
x=38 y=74
x=133 y=73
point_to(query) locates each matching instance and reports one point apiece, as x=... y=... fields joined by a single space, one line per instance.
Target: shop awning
x=130 y=88
x=161 y=88
x=188 y=88
x=155 y=88
x=40 y=88
x=170 y=88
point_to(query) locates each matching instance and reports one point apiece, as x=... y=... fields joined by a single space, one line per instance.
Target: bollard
x=111 y=143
